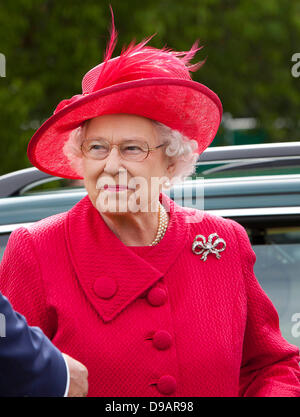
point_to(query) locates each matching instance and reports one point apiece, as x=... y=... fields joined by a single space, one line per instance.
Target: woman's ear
x=171 y=169
x=169 y=174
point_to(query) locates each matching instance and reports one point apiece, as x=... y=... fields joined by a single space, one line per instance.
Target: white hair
x=182 y=151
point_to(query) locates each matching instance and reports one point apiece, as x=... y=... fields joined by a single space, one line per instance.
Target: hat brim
x=187 y=106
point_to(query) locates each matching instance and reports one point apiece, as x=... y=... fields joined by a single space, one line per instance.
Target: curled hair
x=181 y=151
x=72 y=148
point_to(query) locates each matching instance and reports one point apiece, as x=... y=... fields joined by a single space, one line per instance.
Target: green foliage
x=49 y=45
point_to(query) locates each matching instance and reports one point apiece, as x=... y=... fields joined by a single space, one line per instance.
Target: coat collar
x=96 y=253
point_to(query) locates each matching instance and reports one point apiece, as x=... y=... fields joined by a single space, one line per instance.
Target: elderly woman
x=155 y=299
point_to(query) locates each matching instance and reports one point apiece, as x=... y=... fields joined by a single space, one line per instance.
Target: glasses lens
x=134 y=150
x=95 y=148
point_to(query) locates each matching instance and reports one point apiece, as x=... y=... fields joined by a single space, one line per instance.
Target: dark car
x=256 y=185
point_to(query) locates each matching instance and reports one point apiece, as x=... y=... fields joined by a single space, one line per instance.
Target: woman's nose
x=113 y=161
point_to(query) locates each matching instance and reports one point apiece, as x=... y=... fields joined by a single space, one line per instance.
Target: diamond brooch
x=201 y=246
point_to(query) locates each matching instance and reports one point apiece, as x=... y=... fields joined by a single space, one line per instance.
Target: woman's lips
x=116 y=187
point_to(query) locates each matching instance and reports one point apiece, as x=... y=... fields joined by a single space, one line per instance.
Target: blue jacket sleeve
x=30 y=365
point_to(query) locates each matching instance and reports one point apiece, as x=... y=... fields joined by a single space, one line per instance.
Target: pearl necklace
x=162 y=225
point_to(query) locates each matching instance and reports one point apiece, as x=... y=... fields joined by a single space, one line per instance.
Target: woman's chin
x=121 y=202
x=111 y=201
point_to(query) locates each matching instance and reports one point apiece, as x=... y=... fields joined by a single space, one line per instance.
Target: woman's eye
x=132 y=148
x=97 y=147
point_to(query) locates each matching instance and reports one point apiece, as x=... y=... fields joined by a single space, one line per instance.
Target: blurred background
x=251 y=47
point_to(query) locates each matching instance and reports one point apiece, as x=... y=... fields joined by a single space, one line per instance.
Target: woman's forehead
x=120 y=126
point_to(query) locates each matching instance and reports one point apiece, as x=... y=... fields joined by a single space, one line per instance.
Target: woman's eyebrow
x=95 y=137
x=122 y=139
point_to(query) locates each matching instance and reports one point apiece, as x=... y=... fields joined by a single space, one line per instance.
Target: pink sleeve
x=270 y=365
x=21 y=281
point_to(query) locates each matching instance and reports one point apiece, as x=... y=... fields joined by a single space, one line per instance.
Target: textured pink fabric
x=210 y=331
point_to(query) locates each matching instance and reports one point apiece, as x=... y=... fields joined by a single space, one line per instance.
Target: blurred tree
x=49 y=45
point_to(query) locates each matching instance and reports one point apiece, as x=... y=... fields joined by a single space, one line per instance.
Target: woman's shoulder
x=51 y=229
x=207 y=223
x=201 y=218
x=48 y=226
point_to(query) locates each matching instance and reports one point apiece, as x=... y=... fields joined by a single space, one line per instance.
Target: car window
x=277 y=269
x=52 y=186
x=3 y=243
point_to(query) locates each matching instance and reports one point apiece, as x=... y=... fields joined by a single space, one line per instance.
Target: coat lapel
x=98 y=256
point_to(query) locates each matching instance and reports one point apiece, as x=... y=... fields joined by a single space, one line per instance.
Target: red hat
x=144 y=81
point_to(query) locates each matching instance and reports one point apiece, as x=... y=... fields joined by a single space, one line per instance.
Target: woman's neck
x=133 y=229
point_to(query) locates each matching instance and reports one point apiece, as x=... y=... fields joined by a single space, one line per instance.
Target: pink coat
x=151 y=321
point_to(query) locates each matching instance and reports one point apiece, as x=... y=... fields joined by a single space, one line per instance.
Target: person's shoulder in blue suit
x=30 y=365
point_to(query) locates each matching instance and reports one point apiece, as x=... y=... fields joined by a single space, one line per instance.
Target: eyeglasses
x=130 y=150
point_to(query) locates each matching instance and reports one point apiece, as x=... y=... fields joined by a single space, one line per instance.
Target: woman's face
x=142 y=179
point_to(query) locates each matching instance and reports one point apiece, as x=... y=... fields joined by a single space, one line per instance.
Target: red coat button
x=162 y=339
x=166 y=384
x=157 y=296
x=105 y=287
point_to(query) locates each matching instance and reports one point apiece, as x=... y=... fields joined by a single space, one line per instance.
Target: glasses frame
x=118 y=146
